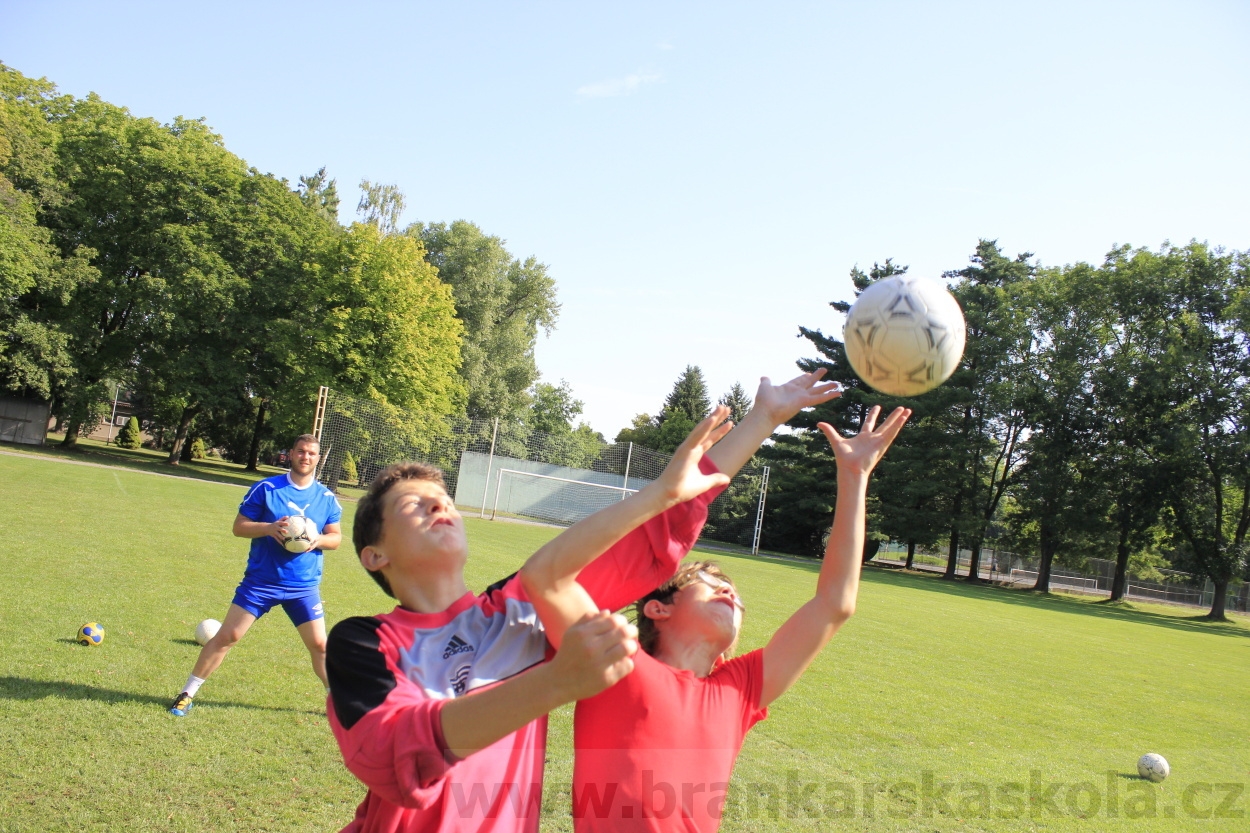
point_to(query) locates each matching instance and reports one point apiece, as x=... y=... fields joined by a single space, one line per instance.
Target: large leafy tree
x=553 y=408
x=990 y=418
x=1133 y=399
x=554 y=439
x=382 y=326
x=196 y=341
x=147 y=199
x=35 y=277
x=1205 y=448
x=1058 y=491
x=503 y=302
x=291 y=238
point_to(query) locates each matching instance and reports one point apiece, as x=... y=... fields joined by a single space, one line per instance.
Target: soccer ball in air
x=904 y=335
x=206 y=630
x=300 y=533
x=1153 y=767
x=91 y=633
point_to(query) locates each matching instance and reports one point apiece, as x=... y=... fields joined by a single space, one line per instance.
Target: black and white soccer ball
x=1153 y=767
x=300 y=534
x=904 y=336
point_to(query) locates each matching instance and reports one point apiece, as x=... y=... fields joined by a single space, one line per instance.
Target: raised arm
x=801 y=638
x=550 y=575
x=774 y=405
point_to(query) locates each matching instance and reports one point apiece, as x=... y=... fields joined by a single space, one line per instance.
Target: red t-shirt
x=655 y=751
x=391 y=674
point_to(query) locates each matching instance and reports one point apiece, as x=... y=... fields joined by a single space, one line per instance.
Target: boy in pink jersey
x=440 y=706
x=655 y=751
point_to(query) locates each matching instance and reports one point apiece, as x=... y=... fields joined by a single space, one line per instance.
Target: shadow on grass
x=1062 y=603
x=21 y=688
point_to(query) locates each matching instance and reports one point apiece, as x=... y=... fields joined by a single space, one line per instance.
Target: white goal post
x=1182 y=595
x=1085 y=585
x=563 y=504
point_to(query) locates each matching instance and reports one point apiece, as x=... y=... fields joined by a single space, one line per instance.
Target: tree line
x=1097 y=409
x=148 y=255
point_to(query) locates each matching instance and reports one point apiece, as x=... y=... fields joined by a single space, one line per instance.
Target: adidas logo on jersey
x=456 y=646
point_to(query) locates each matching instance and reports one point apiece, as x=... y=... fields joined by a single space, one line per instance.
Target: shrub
x=350 y=475
x=197 y=449
x=128 y=437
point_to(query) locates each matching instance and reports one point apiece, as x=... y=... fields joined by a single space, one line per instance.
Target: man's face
x=304 y=458
x=421 y=527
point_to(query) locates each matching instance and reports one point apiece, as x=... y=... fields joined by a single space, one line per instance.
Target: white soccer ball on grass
x=904 y=336
x=206 y=630
x=300 y=534
x=1153 y=767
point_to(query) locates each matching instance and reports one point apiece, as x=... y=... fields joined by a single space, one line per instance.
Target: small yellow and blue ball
x=91 y=633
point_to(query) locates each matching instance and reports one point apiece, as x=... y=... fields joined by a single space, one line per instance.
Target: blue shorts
x=302 y=605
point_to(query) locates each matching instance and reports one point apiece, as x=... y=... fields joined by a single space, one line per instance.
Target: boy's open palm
x=682 y=479
x=781 y=402
x=862 y=452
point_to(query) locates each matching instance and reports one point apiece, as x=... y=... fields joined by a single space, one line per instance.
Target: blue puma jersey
x=274 y=497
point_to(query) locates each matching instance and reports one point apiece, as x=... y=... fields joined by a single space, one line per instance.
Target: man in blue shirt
x=275 y=576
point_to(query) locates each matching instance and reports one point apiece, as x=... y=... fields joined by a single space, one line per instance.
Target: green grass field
x=939 y=706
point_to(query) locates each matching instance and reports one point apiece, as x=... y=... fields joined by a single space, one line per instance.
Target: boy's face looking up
x=699 y=602
x=709 y=606
x=422 y=532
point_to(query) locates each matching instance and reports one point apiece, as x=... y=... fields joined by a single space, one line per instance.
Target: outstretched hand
x=780 y=402
x=681 y=478
x=861 y=453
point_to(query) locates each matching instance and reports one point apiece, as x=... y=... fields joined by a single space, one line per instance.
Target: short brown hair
x=367 y=528
x=306 y=438
x=686 y=575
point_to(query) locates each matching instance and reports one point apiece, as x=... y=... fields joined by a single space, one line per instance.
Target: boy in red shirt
x=655 y=751
x=440 y=706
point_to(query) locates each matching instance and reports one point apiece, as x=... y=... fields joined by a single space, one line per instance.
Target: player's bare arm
x=774 y=405
x=245 y=527
x=596 y=653
x=549 y=576
x=797 y=642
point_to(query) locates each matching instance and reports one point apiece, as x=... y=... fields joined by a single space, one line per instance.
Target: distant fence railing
x=1021 y=571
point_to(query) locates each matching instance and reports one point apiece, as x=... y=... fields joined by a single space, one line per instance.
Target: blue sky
x=701 y=177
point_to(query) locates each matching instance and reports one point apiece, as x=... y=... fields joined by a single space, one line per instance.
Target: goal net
x=1079 y=584
x=545 y=497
